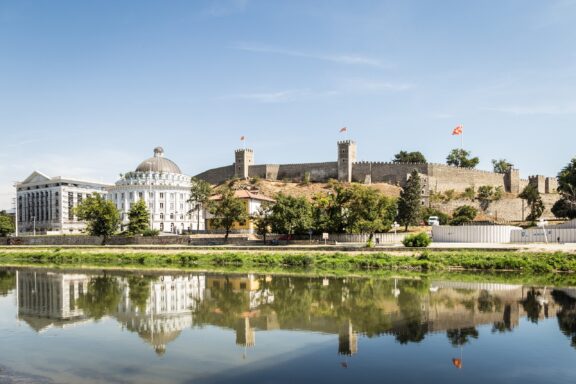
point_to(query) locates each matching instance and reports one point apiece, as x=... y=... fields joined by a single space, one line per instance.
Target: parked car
x=433 y=220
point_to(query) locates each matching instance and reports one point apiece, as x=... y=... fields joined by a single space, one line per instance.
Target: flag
x=457 y=363
x=242 y=138
x=458 y=130
x=345 y=129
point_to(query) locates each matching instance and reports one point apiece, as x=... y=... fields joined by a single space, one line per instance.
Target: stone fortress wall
x=435 y=177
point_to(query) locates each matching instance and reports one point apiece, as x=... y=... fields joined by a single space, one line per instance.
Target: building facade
x=166 y=191
x=45 y=204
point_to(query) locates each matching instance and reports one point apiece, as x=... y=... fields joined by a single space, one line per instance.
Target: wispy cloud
x=374 y=85
x=352 y=59
x=536 y=109
x=280 y=96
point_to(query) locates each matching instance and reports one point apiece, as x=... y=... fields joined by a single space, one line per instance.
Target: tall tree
x=329 y=213
x=291 y=215
x=409 y=157
x=534 y=201
x=262 y=220
x=6 y=224
x=227 y=209
x=200 y=191
x=101 y=216
x=566 y=206
x=501 y=166
x=139 y=218
x=461 y=158
x=410 y=201
x=369 y=211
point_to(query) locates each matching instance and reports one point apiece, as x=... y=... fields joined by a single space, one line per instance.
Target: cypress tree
x=409 y=202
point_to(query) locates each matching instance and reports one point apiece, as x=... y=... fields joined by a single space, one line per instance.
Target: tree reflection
x=7 y=282
x=531 y=305
x=140 y=291
x=506 y=324
x=102 y=297
x=567 y=315
x=461 y=336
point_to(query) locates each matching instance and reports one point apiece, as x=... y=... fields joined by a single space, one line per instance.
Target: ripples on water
x=82 y=327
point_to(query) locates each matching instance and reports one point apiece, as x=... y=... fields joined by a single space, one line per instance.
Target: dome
x=158 y=163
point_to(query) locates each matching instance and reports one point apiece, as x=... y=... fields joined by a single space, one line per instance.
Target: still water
x=131 y=327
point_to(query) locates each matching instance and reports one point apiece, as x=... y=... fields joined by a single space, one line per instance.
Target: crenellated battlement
x=244 y=150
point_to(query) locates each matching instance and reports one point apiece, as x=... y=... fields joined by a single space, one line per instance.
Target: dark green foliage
x=566 y=206
x=291 y=215
x=6 y=224
x=369 y=211
x=461 y=158
x=463 y=214
x=139 y=218
x=102 y=297
x=150 y=232
x=101 y=216
x=227 y=210
x=425 y=213
x=534 y=201
x=409 y=157
x=487 y=194
x=461 y=336
x=262 y=220
x=410 y=201
x=419 y=240
x=329 y=213
x=501 y=166
x=7 y=282
x=200 y=191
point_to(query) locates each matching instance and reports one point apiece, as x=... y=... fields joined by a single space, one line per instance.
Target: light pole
x=16 y=210
x=150 y=194
x=542 y=224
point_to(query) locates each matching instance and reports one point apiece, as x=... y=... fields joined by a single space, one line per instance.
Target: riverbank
x=327 y=261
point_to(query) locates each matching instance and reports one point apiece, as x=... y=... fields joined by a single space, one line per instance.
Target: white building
x=166 y=191
x=45 y=203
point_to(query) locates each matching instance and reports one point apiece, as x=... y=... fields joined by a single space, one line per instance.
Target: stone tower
x=346 y=156
x=244 y=158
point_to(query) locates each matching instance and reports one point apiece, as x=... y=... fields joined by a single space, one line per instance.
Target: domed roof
x=158 y=163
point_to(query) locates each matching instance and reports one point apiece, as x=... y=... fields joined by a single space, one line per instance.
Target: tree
x=566 y=206
x=227 y=209
x=409 y=157
x=102 y=297
x=139 y=218
x=6 y=224
x=501 y=166
x=461 y=336
x=262 y=220
x=369 y=211
x=487 y=194
x=291 y=215
x=461 y=158
x=463 y=214
x=534 y=201
x=101 y=216
x=410 y=201
x=200 y=191
x=329 y=213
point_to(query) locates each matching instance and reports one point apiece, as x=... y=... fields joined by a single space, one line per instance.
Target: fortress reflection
x=159 y=307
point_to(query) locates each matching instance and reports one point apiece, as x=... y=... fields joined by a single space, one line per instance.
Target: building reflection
x=158 y=308
x=49 y=299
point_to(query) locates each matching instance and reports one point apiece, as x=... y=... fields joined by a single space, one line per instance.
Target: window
x=171 y=205
x=140 y=195
x=171 y=216
x=161 y=195
x=161 y=216
x=122 y=195
x=131 y=195
x=172 y=195
x=150 y=206
x=161 y=205
x=151 y=195
x=181 y=196
x=181 y=206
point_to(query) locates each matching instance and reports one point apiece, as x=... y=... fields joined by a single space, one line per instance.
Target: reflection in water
x=7 y=282
x=158 y=308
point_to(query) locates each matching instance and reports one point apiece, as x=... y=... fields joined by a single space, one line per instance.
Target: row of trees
x=457 y=157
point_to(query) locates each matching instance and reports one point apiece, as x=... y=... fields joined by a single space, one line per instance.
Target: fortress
x=435 y=177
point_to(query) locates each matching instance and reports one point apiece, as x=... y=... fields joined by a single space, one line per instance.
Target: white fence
x=379 y=238
x=472 y=234
x=536 y=235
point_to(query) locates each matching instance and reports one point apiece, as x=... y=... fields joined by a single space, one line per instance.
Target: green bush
x=150 y=232
x=419 y=240
x=463 y=214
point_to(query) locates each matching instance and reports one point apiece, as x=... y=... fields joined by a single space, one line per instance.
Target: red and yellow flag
x=344 y=129
x=242 y=138
x=458 y=130
x=457 y=363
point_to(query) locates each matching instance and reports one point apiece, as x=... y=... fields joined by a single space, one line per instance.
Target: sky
x=89 y=88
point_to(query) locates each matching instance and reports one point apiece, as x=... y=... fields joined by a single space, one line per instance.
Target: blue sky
x=88 y=88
